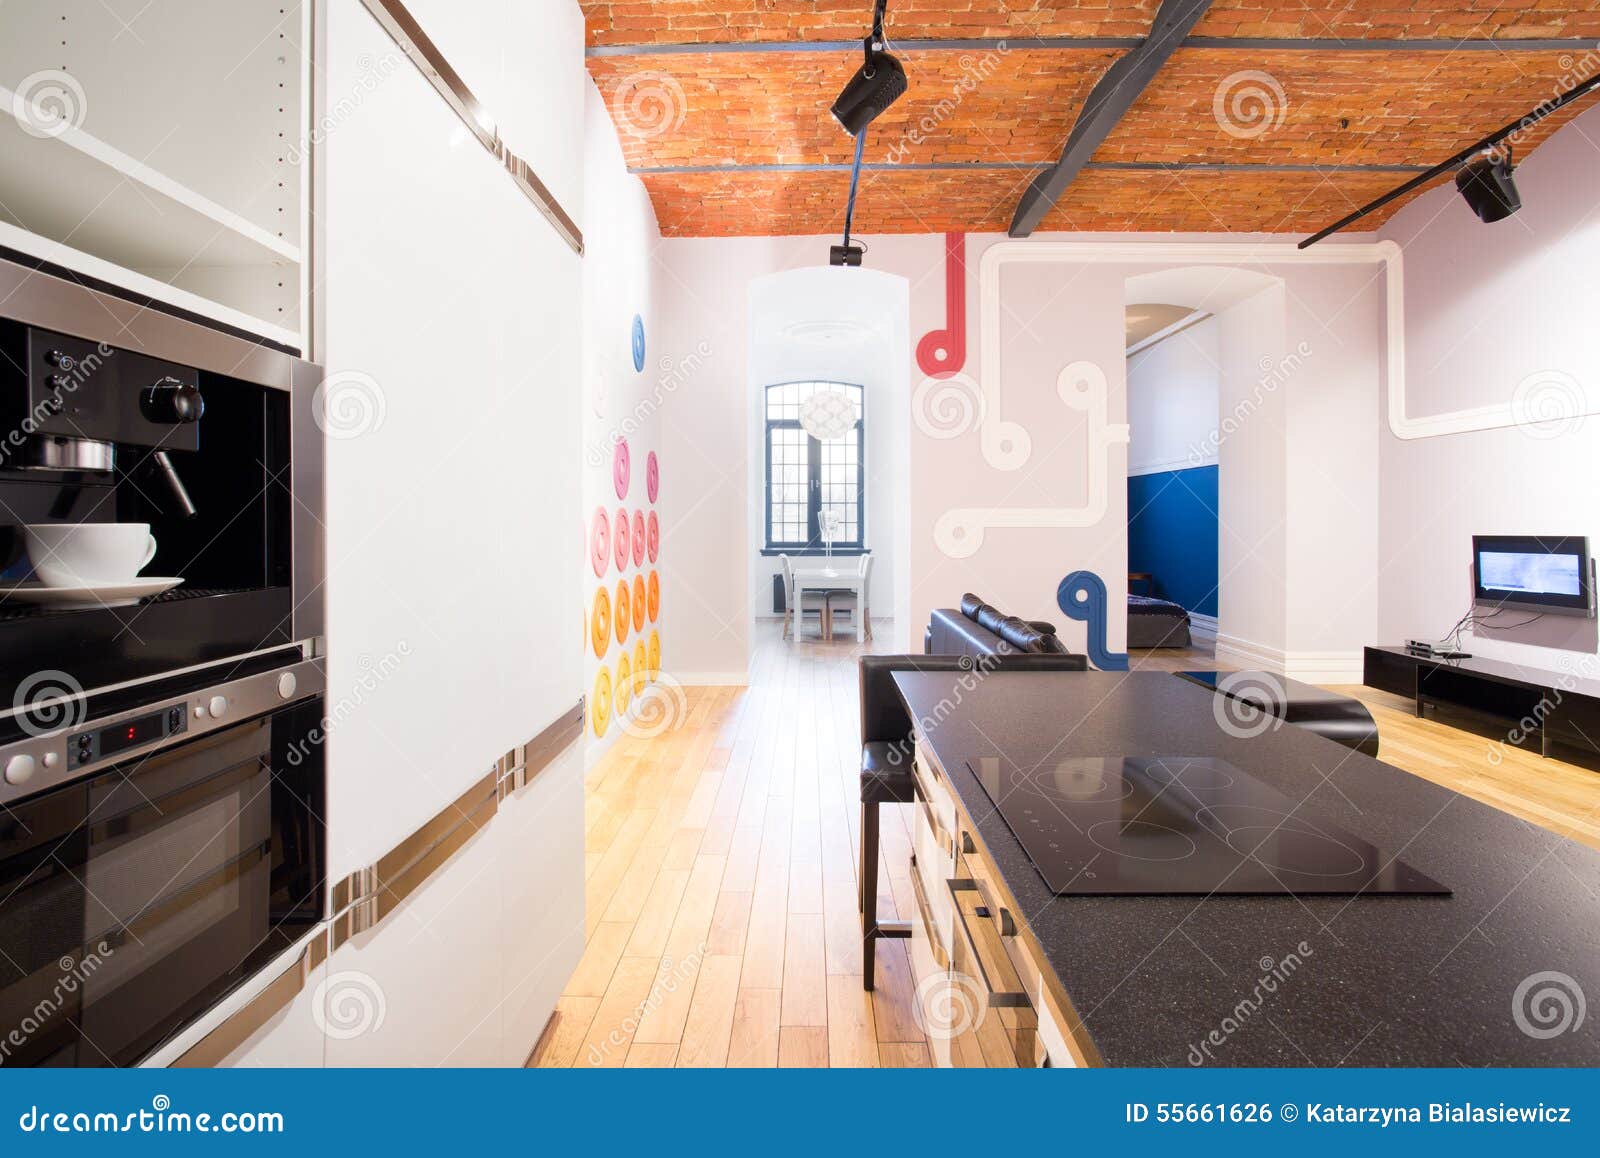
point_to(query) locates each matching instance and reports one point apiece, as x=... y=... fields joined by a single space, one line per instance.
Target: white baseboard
x=1202 y=626
x=712 y=679
x=1312 y=667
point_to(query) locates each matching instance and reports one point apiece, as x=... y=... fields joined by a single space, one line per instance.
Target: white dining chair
x=851 y=602
x=817 y=603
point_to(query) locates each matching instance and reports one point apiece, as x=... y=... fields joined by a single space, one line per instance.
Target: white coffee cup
x=78 y=554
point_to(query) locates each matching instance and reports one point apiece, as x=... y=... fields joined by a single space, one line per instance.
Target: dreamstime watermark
x=1275 y=973
x=1548 y=1004
x=674 y=374
x=348 y=404
x=372 y=674
x=661 y=707
x=1273 y=376
x=973 y=672
x=48 y=103
x=947 y=1005
x=349 y=1004
x=648 y=104
x=1574 y=71
x=75 y=972
x=373 y=73
x=49 y=701
x=1248 y=703
x=1532 y=722
x=669 y=978
x=1549 y=404
x=975 y=70
x=66 y=380
x=1249 y=104
x=948 y=406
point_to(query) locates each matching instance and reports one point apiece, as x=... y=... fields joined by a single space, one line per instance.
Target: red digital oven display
x=131 y=734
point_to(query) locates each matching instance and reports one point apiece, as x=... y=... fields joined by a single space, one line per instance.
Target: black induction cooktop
x=1166 y=825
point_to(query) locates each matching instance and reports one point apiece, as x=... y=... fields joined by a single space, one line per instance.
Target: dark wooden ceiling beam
x=1108 y=102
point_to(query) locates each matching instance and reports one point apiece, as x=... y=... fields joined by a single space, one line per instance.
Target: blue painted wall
x=1172 y=533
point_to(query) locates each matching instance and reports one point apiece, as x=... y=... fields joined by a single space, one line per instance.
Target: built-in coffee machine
x=161 y=669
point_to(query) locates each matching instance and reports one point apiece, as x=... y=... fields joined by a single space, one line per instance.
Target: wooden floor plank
x=708 y=1033
x=755 y=1032
x=803 y=1047
x=852 y=1035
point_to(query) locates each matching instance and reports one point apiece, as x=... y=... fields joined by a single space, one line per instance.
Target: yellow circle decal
x=600 y=623
x=620 y=620
x=655 y=595
x=638 y=602
x=653 y=655
x=640 y=662
x=624 y=683
x=600 y=703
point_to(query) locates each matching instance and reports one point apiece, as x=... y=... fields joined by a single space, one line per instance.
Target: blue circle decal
x=638 y=343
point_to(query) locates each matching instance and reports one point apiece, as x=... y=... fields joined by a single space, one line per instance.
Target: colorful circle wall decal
x=652 y=476
x=624 y=683
x=653 y=535
x=600 y=623
x=619 y=537
x=652 y=655
x=621 y=468
x=638 y=538
x=655 y=595
x=600 y=702
x=639 y=661
x=638 y=343
x=638 y=602
x=620 y=619
x=600 y=542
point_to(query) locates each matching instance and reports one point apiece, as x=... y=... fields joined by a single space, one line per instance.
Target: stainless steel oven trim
x=273 y=999
x=309 y=649
x=245 y=698
x=53 y=303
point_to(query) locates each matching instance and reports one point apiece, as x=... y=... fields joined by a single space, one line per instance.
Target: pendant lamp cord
x=855 y=180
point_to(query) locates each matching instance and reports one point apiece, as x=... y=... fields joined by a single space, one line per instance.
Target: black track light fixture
x=877 y=84
x=1488 y=188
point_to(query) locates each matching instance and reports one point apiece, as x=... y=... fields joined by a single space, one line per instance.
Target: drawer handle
x=967 y=847
x=940 y=958
x=988 y=973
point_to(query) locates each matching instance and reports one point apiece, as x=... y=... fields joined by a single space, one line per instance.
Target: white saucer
x=88 y=595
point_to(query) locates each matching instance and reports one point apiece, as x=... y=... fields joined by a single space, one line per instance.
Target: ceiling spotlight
x=1488 y=188
x=877 y=84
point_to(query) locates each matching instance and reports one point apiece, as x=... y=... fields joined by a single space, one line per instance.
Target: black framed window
x=808 y=480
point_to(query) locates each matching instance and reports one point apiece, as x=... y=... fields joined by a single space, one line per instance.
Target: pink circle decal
x=600 y=542
x=652 y=476
x=621 y=468
x=654 y=537
x=638 y=538
x=620 y=528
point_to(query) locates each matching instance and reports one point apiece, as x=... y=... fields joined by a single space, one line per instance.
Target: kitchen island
x=1494 y=974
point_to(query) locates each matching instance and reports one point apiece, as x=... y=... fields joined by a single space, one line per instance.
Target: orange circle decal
x=638 y=602
x=621 y=618
x=655 y=596
x=600 y=623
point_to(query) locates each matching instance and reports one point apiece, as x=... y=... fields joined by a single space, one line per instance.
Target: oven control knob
x=218 y=706
x=286 y=685
x=19 y=769
x=61 y=360
x=172 y=401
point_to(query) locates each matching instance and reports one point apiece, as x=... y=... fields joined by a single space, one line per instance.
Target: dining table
x=825 y=578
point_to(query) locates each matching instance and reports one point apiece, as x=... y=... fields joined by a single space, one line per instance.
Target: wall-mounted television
x=1540 y=572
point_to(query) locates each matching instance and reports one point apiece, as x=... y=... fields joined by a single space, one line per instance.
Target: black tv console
x=1552 y=713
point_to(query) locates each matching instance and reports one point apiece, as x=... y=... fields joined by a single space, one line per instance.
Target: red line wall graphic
x=942 y=353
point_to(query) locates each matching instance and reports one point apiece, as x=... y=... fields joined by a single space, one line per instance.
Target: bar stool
x=887 y=753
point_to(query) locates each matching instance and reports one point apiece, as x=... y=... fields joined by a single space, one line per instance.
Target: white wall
x=856 y=330
x=620 y=404
x=1172 y=400
x=1495 y=314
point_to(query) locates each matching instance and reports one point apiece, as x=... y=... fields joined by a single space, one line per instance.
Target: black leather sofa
x=976 y=628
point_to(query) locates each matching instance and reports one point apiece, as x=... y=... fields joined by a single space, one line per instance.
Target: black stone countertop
x=1388 y=980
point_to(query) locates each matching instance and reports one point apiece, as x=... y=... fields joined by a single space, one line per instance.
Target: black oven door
x=133 y=898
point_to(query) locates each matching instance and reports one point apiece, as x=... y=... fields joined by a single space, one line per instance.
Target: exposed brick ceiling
x=1271 y=137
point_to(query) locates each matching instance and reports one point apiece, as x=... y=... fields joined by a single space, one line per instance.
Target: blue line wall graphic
x=1172 y=534
x=1082 y=596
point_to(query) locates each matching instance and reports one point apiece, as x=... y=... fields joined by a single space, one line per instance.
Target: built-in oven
x=161 y=669
x=174 y=848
